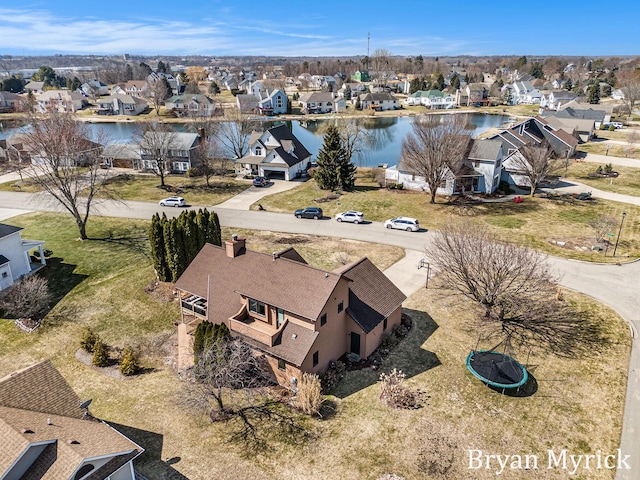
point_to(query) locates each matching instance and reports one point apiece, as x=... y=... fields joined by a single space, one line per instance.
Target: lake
x=383 y=134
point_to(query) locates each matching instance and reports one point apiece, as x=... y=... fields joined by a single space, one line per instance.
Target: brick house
x=297 y=317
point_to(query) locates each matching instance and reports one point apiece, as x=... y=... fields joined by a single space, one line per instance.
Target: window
x=5 y=274
x=323 y=319
x=315 y=359
x=384 y=324
x=340 y=307
x=280 y=315
x=281 y=365
x=258 y=151
x=256 y=307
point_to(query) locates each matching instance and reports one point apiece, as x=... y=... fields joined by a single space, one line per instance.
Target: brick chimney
x=235 y=246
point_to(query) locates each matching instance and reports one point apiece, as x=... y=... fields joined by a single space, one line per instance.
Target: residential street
x=614 y=285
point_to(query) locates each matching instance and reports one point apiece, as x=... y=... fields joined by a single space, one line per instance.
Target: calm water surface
x=383 y=135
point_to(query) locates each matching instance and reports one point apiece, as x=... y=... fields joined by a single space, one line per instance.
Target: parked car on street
x=260 y=182
x=173 y=202
x=350 y=216
x=309 y=212
x=403 y=223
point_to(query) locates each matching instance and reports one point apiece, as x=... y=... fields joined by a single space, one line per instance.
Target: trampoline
x=496 y=369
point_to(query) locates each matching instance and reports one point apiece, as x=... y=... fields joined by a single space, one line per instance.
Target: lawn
x=532 y=223
x=627 y=182
x=146 y=188
x=578 y=404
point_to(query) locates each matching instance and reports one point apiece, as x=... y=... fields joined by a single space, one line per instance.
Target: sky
x=319 y=28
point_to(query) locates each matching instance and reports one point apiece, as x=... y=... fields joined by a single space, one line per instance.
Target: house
x=178 y=148
x=472 y=94
x=15 y=255
x=191 y=104
x=136 y=88
x=432 y=99
x=247 y=103
x=34 y=87
x=119 y=104
x=378 y=101
x=321 y=102
x=480 y=171
x=360 y=76
x=61 y=101
x=272 y=102
x=296 y=317
x=356 y=90
x=600 y=113
x=274 y=153
x=9 y=102
x=176 y=85
x=531 y=132
x=581 y=128
x=94 y=88
x=47 y=432
x=555 y=99
x=122 y=155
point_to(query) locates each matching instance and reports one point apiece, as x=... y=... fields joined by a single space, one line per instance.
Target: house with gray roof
x=190 y=104
x=478 y=172
x=297 y=318
x=9 y=102
x=47 y=432
x=177 y=149
x=321 y=102
x=276 y=153
x=378 y=101
x=120 y=104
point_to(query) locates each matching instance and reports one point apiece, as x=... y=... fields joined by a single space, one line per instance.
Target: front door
x=355 y=343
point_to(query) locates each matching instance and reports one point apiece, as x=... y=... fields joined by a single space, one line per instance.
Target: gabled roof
x=37 y=406
x=317 y=97
x=285 y=139
x=6 y=229
x=122 y=151
x=485 y=149
x=377 y=97
x=372 y=296
x=179 y=141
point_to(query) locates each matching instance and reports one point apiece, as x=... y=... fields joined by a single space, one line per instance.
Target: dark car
x=309 y=212
x=260 y=182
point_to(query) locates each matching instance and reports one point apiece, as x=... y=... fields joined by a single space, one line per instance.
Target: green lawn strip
x=627 y=182
x=532 y=223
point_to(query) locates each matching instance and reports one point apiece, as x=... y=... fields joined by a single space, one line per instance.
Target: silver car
x=350 y=216
x=403 y=223
x=173 y=202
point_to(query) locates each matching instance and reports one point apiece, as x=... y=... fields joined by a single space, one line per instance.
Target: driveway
x=616 y=286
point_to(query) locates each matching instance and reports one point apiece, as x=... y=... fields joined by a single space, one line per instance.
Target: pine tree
x=330 y=157
x=129 y=363
x=158 y=253
x=100 y=356
x=214 y=234
x=201 y=229
x=347 y=174
x=593 y=95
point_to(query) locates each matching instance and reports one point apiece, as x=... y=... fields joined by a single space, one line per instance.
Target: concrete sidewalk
x=571 y=187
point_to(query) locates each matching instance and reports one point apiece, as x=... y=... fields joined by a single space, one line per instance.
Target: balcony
x=194 y=305
x=247 y=325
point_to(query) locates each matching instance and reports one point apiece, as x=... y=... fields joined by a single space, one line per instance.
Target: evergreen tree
x=100 y=356
x=170 y=247
x=330 y=157
x=201 y=229
x=415 y=85
x=535 y=69
x=128 y=73
x=358 y=105
x=593 y=94
x=162 y=68
x=129 y=363
x=347 y=92
x=214 y=234
x=347 y=174
x=568 y=85
x=214 y=89
x=455 y=82
x=158 y=251
x=438 y=81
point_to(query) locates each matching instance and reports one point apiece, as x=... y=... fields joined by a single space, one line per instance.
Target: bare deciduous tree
x=535 y=162
x=234 y=133
x=603 y=225
x=157 y=140
x=160 y=92
x=208 y=154
x=28 y=297
x=629 y=83
x=65 y=163
x=434 y=149
x=632 y=139
x=512 y=285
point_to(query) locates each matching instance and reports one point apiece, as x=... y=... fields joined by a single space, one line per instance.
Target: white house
x=432 y=99
x=555 y=99
x=274 y=102
x=321 y=102
x=274 y=153
x=378 y=101
x=195 y=104
x=15 y=257
x=60 y=100
x=94 y=88
x=480 y=172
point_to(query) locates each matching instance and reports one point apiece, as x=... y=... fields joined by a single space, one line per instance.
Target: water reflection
x=382 y=136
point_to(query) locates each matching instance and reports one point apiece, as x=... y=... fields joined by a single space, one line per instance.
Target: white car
x=350 y=216
x=173 y=202
x=403 y=223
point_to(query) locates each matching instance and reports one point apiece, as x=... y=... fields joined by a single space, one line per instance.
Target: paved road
x=616 y=286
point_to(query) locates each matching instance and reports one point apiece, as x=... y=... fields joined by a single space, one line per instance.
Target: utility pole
x=368 y=43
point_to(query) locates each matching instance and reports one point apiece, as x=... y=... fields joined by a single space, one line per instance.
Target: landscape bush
x=28 y=297
x=394 y=393
x=88 y=340
x=100 y=356
x=309 y=395
x=129 y=363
